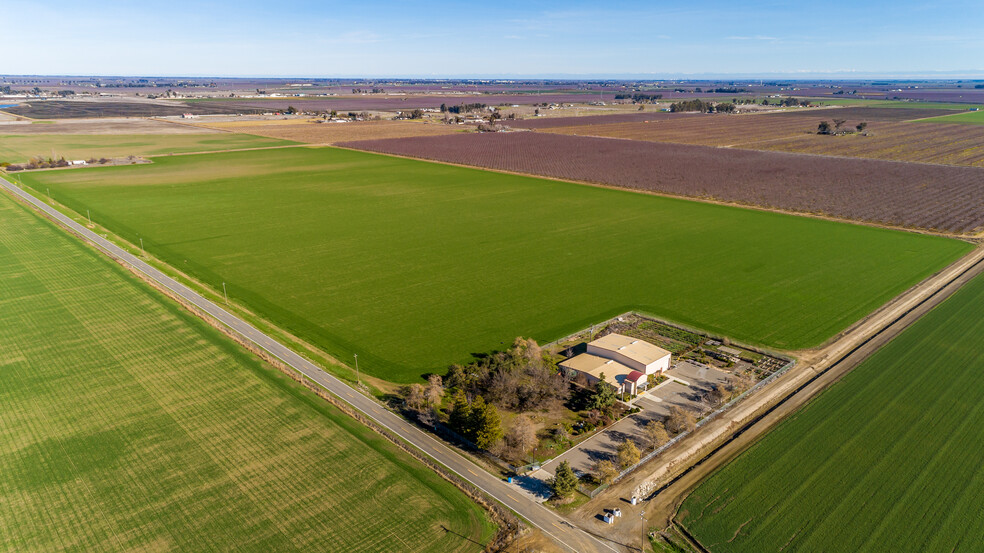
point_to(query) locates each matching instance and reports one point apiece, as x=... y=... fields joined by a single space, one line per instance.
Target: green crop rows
x=889 y=459
x=416 y=265
x=129 y=425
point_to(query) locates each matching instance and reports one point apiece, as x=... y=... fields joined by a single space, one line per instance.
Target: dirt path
x=667 y=481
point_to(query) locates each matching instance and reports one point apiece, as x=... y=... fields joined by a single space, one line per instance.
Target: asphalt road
x=565 y=534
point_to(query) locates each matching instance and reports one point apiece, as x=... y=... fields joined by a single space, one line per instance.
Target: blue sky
x=506 y=38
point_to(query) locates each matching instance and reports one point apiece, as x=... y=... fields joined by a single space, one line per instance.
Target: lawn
x=20 y=148
x=129 y=425
x=886 y=460
x=967 y=118
x=416 y=265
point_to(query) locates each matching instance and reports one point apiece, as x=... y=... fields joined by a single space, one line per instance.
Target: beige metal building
x=624 y=361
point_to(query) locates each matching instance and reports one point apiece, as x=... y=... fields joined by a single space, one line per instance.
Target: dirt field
x=887 y=136
x=548 y=122
x=99 y=126
x=330 y=133
x=74 y=109
x=898 y=194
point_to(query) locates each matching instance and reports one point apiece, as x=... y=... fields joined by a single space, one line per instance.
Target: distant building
x=189 y=116
x=78 y=162
x=626 y=362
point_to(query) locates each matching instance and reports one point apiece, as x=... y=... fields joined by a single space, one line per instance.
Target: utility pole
x=89 y=216
x=49 y=194
x=358 y=376
x=142 y=252
x=224 y=293
x=642 y=544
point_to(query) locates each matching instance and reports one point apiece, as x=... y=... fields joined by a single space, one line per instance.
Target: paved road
x=566 y=535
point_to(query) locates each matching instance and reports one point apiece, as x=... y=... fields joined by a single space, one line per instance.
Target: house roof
x=615 y=372
x=637 y=350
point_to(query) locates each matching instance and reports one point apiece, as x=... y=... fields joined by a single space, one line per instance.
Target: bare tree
x=715 y=395
x=605 y=471
x=414 y=397
x=656 y=434
x=680 y=420
x=435 y=390
x=628 y=454
x=522 y=435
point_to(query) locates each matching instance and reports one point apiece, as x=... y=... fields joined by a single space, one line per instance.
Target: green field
x=415 y=265
x=20 y=148
x=968 y=118
x=889 y=459
x=128 y=425
x=831 y=101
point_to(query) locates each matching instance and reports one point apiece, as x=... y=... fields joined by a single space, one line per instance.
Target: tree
x=628 y=454
x=656 y=434
x=413 y=396
x=435 y=390
x=564 y=482
x=603 y=395
x=862 y=126
x=522 y=435
x=460 y=415
x=485 y=424
x=838 y=123
x=605 y=471
x=680 y=420
x=715 y=395
x=824 y=128
x=290 y=109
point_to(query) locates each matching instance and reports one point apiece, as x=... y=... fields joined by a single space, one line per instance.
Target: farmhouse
x=625 y=362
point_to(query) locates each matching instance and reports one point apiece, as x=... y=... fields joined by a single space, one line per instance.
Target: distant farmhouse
x=626 y=362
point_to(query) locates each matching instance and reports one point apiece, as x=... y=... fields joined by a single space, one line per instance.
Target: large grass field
x=20 y=148
x=889 y=459
x=128 y=425
x=415 y=265
x=968 y=118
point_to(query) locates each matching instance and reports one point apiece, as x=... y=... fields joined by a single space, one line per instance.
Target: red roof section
x=634 y=376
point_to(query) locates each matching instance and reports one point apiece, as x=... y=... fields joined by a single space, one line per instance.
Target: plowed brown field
x=914 y=195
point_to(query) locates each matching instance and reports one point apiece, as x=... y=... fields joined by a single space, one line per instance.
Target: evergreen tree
x=485 y=424
x=564 y=483
x=603 y=395
x=459 y=418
